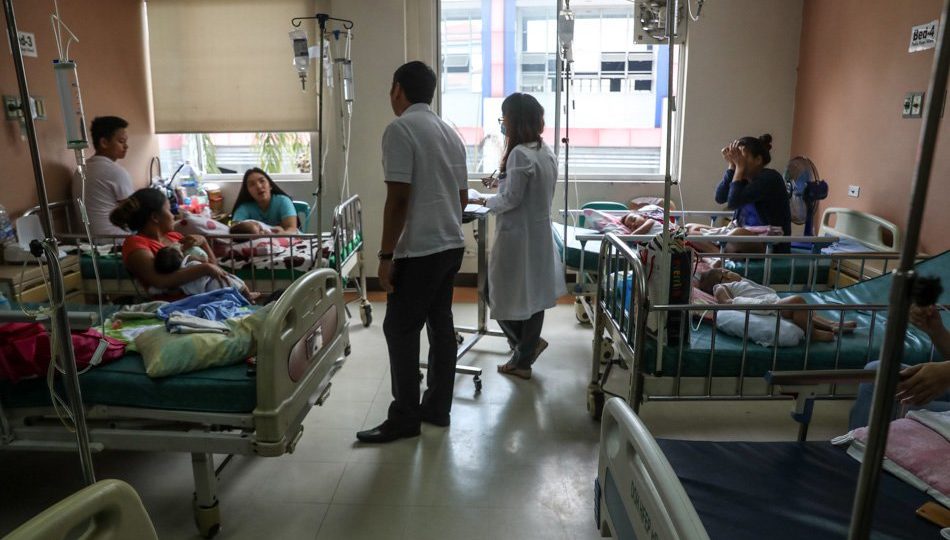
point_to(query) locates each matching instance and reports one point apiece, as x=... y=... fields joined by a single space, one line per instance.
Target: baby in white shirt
x=169 y=259
x=730 y=288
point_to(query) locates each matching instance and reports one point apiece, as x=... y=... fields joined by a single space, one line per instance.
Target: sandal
x=521 y=373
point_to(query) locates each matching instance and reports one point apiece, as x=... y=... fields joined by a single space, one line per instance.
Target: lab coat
x=525 y=273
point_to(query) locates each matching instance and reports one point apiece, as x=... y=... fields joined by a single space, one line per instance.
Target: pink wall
x=113 y=73
x=854 y=70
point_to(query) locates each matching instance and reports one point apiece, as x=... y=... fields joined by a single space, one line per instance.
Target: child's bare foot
x=821 y=335
x=846 y=328
x=252 y=297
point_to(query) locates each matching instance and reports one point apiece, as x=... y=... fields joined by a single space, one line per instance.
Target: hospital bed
x=703 y=363
x=694 y=490
x=224 y=410
x=267 y=263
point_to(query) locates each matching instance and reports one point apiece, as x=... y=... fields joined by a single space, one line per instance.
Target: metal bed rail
x=623 y=307
x=348 y=241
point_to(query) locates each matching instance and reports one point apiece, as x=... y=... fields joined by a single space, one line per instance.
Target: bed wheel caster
x=208 y=520
x=595 y=404
x=606 y=350
x=580 y=312
x=347 y=350
x=459 y=338
x=366 y=315
x=478 y=384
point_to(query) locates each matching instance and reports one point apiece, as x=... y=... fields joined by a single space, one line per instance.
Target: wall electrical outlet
x=913 y=106
x=854 y=191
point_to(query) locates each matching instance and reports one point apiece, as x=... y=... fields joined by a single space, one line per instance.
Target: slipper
x=522 y=373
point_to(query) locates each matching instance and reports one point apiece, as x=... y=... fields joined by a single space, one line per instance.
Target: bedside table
x=21 y=284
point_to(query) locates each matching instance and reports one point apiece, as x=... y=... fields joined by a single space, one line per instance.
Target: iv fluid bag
x=301 y=51
x=349 y=92
x=67 y=83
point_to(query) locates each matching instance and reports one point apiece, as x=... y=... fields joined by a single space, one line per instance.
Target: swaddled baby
x=169 y=260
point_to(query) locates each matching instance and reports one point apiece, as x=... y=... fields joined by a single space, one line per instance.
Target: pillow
x=761 y=328
x=166 y=354
x=195 y=224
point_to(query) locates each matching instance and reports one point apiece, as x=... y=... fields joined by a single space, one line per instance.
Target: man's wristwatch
x=384 y=256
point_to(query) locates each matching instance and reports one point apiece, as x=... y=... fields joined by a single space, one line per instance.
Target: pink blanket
x=919 y=450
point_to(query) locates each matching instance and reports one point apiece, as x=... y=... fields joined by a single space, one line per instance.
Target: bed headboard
x=875 y=232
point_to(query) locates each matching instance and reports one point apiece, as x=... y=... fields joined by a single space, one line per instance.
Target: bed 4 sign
x=923 y=37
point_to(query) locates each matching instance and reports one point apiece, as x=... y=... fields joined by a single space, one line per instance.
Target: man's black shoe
x=385 y=433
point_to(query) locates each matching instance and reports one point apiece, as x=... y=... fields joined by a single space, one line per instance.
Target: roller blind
x=222 y=66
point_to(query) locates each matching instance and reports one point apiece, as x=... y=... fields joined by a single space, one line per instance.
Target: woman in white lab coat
x=525 y=274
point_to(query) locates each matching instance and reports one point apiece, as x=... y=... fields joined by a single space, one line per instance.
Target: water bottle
x=4 y=303
x=7 y=235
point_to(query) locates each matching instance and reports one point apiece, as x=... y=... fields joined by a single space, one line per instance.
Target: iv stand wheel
x=580 y=312
x=478 y=384
x=595 y=404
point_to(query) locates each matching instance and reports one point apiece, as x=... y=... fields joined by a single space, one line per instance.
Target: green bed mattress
x=590 y=252
x=782 y=270
x=123 y=383
x=853 y=352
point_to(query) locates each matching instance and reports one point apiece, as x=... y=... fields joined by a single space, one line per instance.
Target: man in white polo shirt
x=421 y=251
x=107 y=182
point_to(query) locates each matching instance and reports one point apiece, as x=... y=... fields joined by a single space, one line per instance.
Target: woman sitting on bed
x=146 y=213
x=757 y=194
x=261 y=200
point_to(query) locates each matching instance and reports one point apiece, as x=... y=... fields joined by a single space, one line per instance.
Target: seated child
x=730 y=288
x=170 y=259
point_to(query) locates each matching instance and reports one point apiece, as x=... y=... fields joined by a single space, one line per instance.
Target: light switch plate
x=913 y=106
x=854 y=191
x=908 y=103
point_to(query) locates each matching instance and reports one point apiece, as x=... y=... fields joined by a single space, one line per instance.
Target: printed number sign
x=923 y=37
x=27 y=43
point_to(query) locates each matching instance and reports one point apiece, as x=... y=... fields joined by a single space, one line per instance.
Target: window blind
x=221 y=66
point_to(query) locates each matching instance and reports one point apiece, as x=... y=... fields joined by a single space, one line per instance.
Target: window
x=234 y=153
x=492 y=48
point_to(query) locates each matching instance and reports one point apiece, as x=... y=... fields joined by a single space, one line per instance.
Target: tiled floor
x=518 y=461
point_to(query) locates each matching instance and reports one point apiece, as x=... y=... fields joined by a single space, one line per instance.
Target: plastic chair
x=599 y=205
x=303 y=215
x=106 y=509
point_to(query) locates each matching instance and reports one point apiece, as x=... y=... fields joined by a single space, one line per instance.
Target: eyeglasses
x=501 y=120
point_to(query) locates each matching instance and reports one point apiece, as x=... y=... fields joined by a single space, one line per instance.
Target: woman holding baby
x=147 y=214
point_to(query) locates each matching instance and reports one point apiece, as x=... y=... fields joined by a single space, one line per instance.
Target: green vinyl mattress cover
x=851 y=351
x=124 y=383
x=783 y=271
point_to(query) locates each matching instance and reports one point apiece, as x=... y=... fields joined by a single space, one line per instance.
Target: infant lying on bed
x=251 y=226
x=170 y=259
x=730 y=288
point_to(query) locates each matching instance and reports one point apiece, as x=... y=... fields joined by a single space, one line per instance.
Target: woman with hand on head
x=757 y=193
x=525 y=274
x=262 y=200
x=146 y=213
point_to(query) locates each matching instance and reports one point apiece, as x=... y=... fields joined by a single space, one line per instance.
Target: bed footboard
x=637 y=492
x=303 y=343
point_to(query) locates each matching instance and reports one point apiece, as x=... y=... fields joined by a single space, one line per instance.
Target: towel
x=181 y=323
x=146 y=310
x=214 y=305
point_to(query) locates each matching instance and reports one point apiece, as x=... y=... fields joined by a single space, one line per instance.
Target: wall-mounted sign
x=923 y=37
x=27 y=43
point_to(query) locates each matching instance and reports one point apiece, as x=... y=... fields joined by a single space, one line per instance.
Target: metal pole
x=60 y=321
x=665 y=254
x=322 y=20
x=557 y=95
x=893 y=347
x=567 y=152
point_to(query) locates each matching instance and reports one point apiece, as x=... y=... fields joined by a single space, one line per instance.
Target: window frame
x=596 y=178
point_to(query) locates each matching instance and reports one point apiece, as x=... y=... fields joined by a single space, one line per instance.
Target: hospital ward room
x=475 y=269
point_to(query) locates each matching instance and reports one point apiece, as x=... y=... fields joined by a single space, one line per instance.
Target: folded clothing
x=214 y=305
x=182 y=323
x=25 y=350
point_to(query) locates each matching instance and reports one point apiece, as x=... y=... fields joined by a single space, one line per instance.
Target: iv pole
x=321 y=19
x=60 y=321
x=893 y=347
